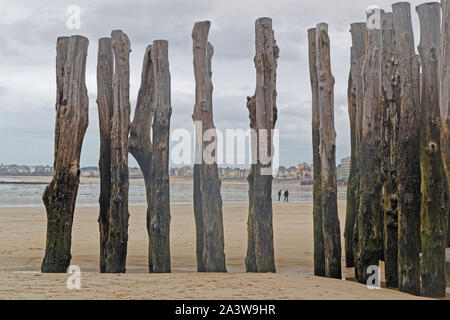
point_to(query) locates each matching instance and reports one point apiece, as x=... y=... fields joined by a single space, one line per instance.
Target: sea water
x=19 y=193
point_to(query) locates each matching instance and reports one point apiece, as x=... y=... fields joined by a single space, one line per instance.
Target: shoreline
x=133 y=180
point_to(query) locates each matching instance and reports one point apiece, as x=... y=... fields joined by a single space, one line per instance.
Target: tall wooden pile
x=70 y=126
x=207 y=198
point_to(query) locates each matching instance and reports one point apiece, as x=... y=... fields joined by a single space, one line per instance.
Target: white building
x=343 y=169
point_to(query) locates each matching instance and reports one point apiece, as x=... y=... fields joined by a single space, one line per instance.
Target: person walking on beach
x=286 y=196
x=279 y=196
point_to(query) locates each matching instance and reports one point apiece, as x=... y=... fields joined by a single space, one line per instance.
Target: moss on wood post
x=408 y=152
x=355 y=100
x=434 y=207
x=319 y=253
x=369 y=214
x=263 y=115
x=207 y=198
x=116 y=246
x=71 y=124
x=330 y=222
x=390 y=118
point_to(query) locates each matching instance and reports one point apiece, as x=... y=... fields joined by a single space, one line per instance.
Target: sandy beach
x=22 y=240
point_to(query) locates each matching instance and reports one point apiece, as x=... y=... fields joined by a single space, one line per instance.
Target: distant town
x=303 y=172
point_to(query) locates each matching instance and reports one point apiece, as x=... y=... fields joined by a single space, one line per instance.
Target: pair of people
x=286 y=196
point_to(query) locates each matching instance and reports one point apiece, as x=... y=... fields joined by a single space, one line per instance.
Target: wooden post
x=159 y=230
x=263 y=115
x=369 y=215
x=139 y=142
x=116 y=247
x=71 y=124
x=355 y=99
x=408 y=152
x=445 y=96
x=390 y=119
x=434 y=208
x=105 y=70
x=319 y=254
x=207 y=198
x=154 y=106
x=331 y=226
x=260 y=246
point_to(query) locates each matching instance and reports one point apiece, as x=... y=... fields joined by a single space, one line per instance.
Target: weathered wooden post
x=207 y=198
x=390 y=118
x=105 y=67
x=154 y=106
x=71 y=124
x=139 y=142
x=319 y=254
x=369 y=215
x=331 y=227
x=408 y=152
x=355 y=100
x=445 y=96
x=116 y=246
x=159 y=224
x=434 y=207
x=263 y=115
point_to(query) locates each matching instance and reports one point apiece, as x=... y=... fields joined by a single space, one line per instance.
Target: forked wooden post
x=434 y=207
x=139 y=142
x=207 y=197
x=408 y=152
x=71 y=124
x=330 y=222
x=153 y=110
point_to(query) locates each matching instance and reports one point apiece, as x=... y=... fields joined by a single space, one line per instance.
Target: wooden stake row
x=118 y=137
x=398 y=188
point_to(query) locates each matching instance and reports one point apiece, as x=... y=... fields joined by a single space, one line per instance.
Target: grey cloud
x=27 y=62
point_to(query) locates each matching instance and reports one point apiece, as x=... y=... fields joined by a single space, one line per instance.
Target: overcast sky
x=28 y=33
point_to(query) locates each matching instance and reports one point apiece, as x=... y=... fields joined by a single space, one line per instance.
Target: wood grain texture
x=116 y=246
x=434 y=188
x=70 y=126
x=330 y=222
x=389 y=145
x=105 y=100
x=355 y=105
x=319 y=253
x=207 y=197
x=445 y=97
x=408 y=150
x=263 y=115
x=159 y=218
x=369 y=214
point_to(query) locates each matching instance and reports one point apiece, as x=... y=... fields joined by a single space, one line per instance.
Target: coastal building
x=304 y=171
x=343 y=170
